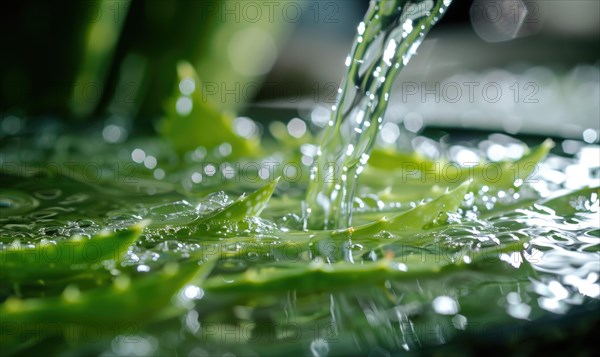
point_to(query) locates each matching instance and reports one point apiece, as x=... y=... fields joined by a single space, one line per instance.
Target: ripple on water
x=15 y=202
x=562 y=249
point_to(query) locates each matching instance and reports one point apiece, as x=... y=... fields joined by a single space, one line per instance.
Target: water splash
x=386 y=39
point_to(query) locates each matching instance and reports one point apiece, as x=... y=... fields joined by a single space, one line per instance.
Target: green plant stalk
x=321 y=276
x=122 y=307
x=56 y=260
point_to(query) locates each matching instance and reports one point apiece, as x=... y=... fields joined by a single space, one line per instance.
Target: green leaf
x=417 y=218
x=245 y=206
x=56 y=260
x=317 y=276
x=509 y=172
x=126 y=304
x=196 y=122
x=420 y=172
x=394 y=160
x=565 y=205
x=573 y=202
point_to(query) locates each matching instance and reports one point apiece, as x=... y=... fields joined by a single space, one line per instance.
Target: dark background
x=41 y=45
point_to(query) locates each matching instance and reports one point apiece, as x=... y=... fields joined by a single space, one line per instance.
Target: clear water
x=555 y=274
x=386 y=39
x=277 y=287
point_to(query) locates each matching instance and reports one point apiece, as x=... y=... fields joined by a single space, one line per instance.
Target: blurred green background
x=83 y=58
x=275 y=60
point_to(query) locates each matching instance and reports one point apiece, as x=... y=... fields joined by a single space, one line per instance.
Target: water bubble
x=187 y=86
x=445 y=305
x=214 y=201
x=290 y=171
x=390 y=133
x=193 y=292
x=464 y=156
x=320 y=116
x=138 y=155
x=210 y=170
x=196 y=177
x=590 y=136
x=496 y=152
x=150 y=162
x=113 y=133
x=296 y=127
x=159 y=174
x=413 y=122
x=172 y=210
x=571 y=146
x=264 y=173
x=245 y=127
x=225 y=149
x=184 y=106
x=199 y=153
x=11 y=125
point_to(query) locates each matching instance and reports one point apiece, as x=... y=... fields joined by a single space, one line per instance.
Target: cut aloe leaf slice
x=63 y=258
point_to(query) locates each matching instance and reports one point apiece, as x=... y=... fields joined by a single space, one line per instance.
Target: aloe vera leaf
x=320 y=276
x=517 y=170
x=203 y=124
x=126 y=304
x=565 y=205
x=419 y=218
x=497 y=176
x=500 y=209
x=85 y=280
x=414 y=219
x=580 y=200
x=423 y=174
x=394 y=160
x=98 y=48
x=245 y=206
x=54 y=260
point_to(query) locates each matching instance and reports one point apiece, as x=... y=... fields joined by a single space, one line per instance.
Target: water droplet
x=138 y=155
x=296 y=128
x=184 y=106
x=445 y=305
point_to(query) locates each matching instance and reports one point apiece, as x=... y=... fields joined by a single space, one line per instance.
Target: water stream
x=386 y=39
